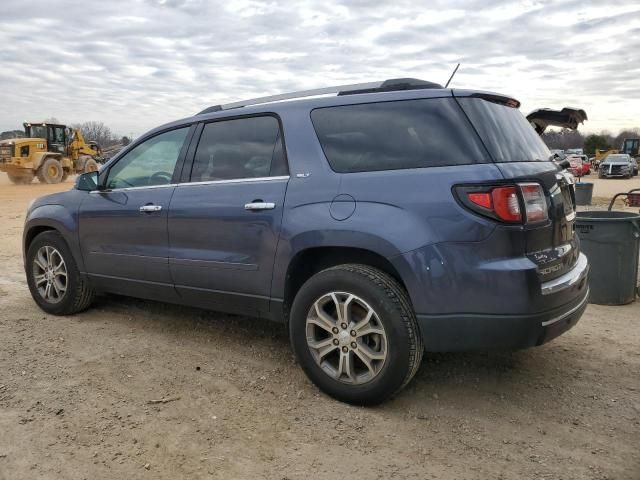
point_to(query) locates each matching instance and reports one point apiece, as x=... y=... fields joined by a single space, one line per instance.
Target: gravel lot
x=77 y=396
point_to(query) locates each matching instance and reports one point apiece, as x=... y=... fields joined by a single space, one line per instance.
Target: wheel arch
x=307 y=262
x=52 y=218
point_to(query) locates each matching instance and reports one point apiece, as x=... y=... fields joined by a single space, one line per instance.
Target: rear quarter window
x=397 y=135
x=505 y=131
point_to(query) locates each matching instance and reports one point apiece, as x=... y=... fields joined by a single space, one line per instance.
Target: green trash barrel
x=610 y=240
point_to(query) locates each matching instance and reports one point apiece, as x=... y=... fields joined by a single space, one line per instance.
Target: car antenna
x=451 y=77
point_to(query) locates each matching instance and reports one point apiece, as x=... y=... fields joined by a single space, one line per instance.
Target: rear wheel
x=50 y=171
x=53 y=276
x=355 y=334
x=23 y=179
x=90 y=165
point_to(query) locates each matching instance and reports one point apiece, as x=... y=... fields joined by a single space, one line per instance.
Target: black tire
x=25 y=179
x=78 y=295
x=90 y=166
x=391 y=304
x=50 y=171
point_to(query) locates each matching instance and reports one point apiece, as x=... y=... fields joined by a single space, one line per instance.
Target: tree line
x=101 y=134
x=565 y=138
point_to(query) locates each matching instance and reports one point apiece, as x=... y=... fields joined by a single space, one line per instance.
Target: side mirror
x=88 y=182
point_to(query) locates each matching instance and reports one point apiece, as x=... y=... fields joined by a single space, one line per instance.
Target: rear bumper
x=577 y=274
x=461 y=332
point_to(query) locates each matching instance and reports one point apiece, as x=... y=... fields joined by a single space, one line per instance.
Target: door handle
x=260 y=206
x=150 y=208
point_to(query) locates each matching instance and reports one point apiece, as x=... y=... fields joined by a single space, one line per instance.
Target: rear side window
x=397 y=135
x=240 y=148
x=505 y=131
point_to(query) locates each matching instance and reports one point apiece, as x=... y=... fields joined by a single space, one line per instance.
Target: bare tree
x=633 y=133
x=97 y=132
x=563 y=139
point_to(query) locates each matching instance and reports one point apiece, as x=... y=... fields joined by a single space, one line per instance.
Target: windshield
x=38 y=131
x=617 y=158
x=505 y=131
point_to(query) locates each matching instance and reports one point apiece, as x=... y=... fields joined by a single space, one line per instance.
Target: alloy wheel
x=346 y=338
x=50 y=274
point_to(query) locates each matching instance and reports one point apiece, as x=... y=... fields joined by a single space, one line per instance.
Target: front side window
x=150 y=163
x=240 y=148
x=397 y=135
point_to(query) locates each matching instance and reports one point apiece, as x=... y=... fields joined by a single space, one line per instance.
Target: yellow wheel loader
x=49 y=151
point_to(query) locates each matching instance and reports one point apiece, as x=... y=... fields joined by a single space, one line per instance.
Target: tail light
x=535 y=203
x=520 y=203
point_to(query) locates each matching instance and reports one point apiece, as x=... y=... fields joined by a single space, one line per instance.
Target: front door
x=224 y=223
x=123 y=229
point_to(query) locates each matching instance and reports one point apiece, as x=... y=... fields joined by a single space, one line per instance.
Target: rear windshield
x=396 y=135
x=505 y=131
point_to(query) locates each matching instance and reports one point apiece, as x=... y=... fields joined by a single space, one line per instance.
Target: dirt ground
x=75 y=396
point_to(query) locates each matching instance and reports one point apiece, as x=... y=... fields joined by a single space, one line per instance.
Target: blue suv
x=377 y=221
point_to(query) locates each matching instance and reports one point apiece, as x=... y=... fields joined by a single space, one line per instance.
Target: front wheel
x=23 y=179
x=50 y=171
x=355 y=334
x=53 y=276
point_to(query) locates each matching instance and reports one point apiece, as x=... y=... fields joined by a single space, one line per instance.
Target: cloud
x=137 y=64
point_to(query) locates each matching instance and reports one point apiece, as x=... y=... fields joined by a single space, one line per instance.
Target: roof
x=395 y=84
x=381 y=91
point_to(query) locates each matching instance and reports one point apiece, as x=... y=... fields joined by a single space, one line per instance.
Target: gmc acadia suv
x=377 y=220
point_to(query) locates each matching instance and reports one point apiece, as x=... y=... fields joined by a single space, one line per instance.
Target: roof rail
x=352 y=89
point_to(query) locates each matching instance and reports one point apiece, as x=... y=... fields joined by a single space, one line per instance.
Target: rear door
x=123 y=229
x=224 y=222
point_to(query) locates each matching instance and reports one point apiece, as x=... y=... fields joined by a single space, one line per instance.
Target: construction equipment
x=50 y=151
x=602 y=154
x=631 y=146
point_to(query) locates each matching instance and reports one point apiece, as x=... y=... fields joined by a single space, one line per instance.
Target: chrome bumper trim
x=566 y=314
x=577 y=273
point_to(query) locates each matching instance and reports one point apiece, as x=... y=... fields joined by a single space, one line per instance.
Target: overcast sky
x=137 y=64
